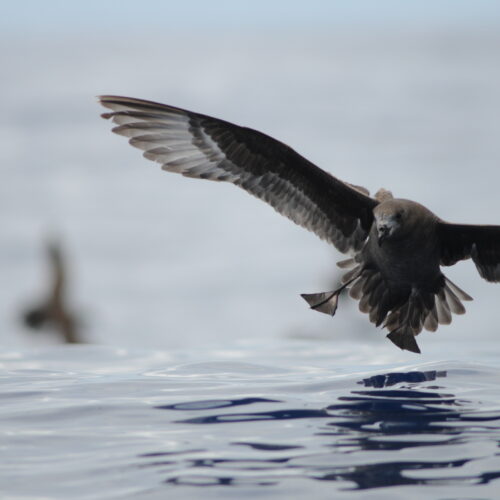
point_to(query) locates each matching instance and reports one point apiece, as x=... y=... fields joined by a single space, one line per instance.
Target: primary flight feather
x=397 y=245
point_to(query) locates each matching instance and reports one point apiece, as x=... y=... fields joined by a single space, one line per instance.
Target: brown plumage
x=397 y=246
x=53 y=311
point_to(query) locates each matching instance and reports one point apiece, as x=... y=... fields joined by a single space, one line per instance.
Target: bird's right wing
x=197 y=145
x=464 y=241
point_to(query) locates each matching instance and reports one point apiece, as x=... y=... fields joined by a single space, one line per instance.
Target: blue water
x=278 y=421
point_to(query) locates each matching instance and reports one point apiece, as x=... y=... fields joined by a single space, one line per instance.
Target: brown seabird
x=53 y=311
x=397 y=246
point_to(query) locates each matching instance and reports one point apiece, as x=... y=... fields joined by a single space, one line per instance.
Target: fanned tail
x=403 y=310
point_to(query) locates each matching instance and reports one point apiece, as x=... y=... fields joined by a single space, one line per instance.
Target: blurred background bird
x=52 y=313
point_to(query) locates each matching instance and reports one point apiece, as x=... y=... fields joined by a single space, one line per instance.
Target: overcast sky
x=55 y=17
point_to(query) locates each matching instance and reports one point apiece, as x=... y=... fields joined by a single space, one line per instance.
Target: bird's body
x=396 y=285
x=397 y=246
x=395 y=256
x=53 y=310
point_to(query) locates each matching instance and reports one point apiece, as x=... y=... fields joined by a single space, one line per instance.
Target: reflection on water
x=355 y=440
x=403 y=412
x=251 y=417
x=379 y=381
x=212 y=404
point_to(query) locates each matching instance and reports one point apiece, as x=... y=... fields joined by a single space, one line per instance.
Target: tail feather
x=347 y=263
x=453 y=301
x=458 y=291
x=403 y=310
x=350 y=275
x=431 y=321
x=357 y=288
x=442 y=308
x=406 y=311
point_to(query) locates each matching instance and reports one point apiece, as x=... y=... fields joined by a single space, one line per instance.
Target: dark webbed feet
x=404 y=340
x=325 y=302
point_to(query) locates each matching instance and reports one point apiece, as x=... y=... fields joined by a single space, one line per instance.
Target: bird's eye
x=399 y=215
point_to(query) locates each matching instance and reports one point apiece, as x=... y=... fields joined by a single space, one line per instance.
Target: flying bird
x=53 y=311
x=396 y=246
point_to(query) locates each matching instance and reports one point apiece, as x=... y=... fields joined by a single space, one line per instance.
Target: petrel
x=53 y=311
x=396 y=246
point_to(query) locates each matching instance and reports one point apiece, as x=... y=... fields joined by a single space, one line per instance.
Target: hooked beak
x=382 y=232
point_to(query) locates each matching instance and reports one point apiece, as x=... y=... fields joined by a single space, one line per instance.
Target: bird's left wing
x=464 y=241
x=197 y=145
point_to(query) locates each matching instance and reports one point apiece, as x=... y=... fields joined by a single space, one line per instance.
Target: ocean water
x=270 y=421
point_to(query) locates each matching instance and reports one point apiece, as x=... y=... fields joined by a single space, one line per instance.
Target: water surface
x=102 y=423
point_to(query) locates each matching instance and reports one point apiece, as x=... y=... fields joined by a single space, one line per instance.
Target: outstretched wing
x=481 y=243
x=200 y=146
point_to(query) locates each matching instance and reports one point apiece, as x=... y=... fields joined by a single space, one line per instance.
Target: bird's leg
x=326 y=302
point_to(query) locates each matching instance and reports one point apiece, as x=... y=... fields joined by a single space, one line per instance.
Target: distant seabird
x=53 y=311
x=397 y=246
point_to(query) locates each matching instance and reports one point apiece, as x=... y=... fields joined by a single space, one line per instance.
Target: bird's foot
x=404 y=340
x=325 y=302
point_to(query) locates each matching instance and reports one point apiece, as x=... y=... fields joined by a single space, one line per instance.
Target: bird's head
x=390 y=218
x=397 y=219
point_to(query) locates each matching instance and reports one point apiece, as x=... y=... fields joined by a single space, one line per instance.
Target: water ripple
x=344 y=433
x=358 y=440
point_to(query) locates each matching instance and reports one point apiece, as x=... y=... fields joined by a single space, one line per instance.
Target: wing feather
x=200 y=146
x=465 y=241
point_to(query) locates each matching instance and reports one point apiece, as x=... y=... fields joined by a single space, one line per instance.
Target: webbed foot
x=404 y=340
x=325 y=302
